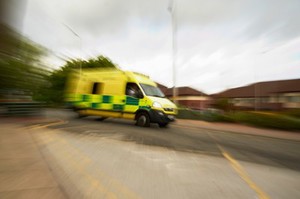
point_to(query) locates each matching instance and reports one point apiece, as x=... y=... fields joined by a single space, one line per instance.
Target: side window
x=133 y=90
x=97 y=88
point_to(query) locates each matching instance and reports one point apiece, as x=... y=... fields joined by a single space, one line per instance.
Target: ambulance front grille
x=169 y=109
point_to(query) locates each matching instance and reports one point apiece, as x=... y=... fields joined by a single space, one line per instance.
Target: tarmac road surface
x=116 y=159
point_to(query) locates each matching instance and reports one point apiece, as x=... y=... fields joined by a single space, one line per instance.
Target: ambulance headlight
x=156 y=105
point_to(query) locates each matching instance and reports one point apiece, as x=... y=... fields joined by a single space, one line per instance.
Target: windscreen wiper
x=158 y=96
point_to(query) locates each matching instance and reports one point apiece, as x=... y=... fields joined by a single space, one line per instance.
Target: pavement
x=24 y=172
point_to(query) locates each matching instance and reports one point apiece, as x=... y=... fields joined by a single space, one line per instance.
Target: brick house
x=271 y=95
x=188 y=97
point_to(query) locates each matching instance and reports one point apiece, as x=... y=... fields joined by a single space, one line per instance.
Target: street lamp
x=74 y=33
x=172 y=9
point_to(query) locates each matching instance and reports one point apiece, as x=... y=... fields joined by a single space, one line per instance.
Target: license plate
x=171 y=117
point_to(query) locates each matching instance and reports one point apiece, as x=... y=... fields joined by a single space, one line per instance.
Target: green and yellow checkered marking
x=108 y=102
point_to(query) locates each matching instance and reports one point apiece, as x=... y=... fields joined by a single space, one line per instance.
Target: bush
x=223 y=104
x=293 y=113
x=188 y=114
x=268 y=120
x=207 y=115
x=260 y=119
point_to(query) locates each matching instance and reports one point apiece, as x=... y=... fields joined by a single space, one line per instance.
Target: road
x=116 y=159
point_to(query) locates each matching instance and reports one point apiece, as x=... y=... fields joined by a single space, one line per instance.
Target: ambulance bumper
x=160 y=117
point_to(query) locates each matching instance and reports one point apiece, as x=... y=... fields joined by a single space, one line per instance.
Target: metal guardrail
x=21 y=108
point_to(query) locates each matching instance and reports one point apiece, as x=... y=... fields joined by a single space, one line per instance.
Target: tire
x=143 y=119
x=80 y=115
x=163 y=125
x=101 y=118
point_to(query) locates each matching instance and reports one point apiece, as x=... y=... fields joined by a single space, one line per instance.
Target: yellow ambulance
x=119 y=94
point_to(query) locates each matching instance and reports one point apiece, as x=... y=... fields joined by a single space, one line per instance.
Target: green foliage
x=208 y=115
x=277 y=121
x=187 y=114
x=292 y=112
x=98 y=62
x=260 y=119
x=223 y=104
x=20 y=65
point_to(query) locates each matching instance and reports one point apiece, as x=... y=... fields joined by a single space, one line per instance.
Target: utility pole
x=172 y=10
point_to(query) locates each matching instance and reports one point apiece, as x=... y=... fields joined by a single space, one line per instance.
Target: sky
x=219 y=44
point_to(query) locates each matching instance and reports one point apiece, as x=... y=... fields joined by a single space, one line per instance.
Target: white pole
x=172 y=9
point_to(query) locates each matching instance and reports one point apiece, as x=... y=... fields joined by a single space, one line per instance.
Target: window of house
x=293 y=98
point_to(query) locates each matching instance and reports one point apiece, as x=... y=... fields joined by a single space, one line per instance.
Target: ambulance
x=113 y=93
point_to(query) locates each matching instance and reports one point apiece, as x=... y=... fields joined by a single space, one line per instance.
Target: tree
x=20 y=63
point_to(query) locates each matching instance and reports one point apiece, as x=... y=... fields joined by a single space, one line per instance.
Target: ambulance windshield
x=152 y=90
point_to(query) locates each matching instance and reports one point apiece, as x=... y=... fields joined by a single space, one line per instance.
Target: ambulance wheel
x=143 y=119
x=163 y=125
x=101 y=118
x=80 y=115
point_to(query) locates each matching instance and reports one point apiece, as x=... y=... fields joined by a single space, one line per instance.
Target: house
x=188 y=97
x=271 y=95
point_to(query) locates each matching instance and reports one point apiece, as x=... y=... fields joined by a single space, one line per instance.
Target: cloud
x=229 y=39
x=110 y=17
x=249 y=19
